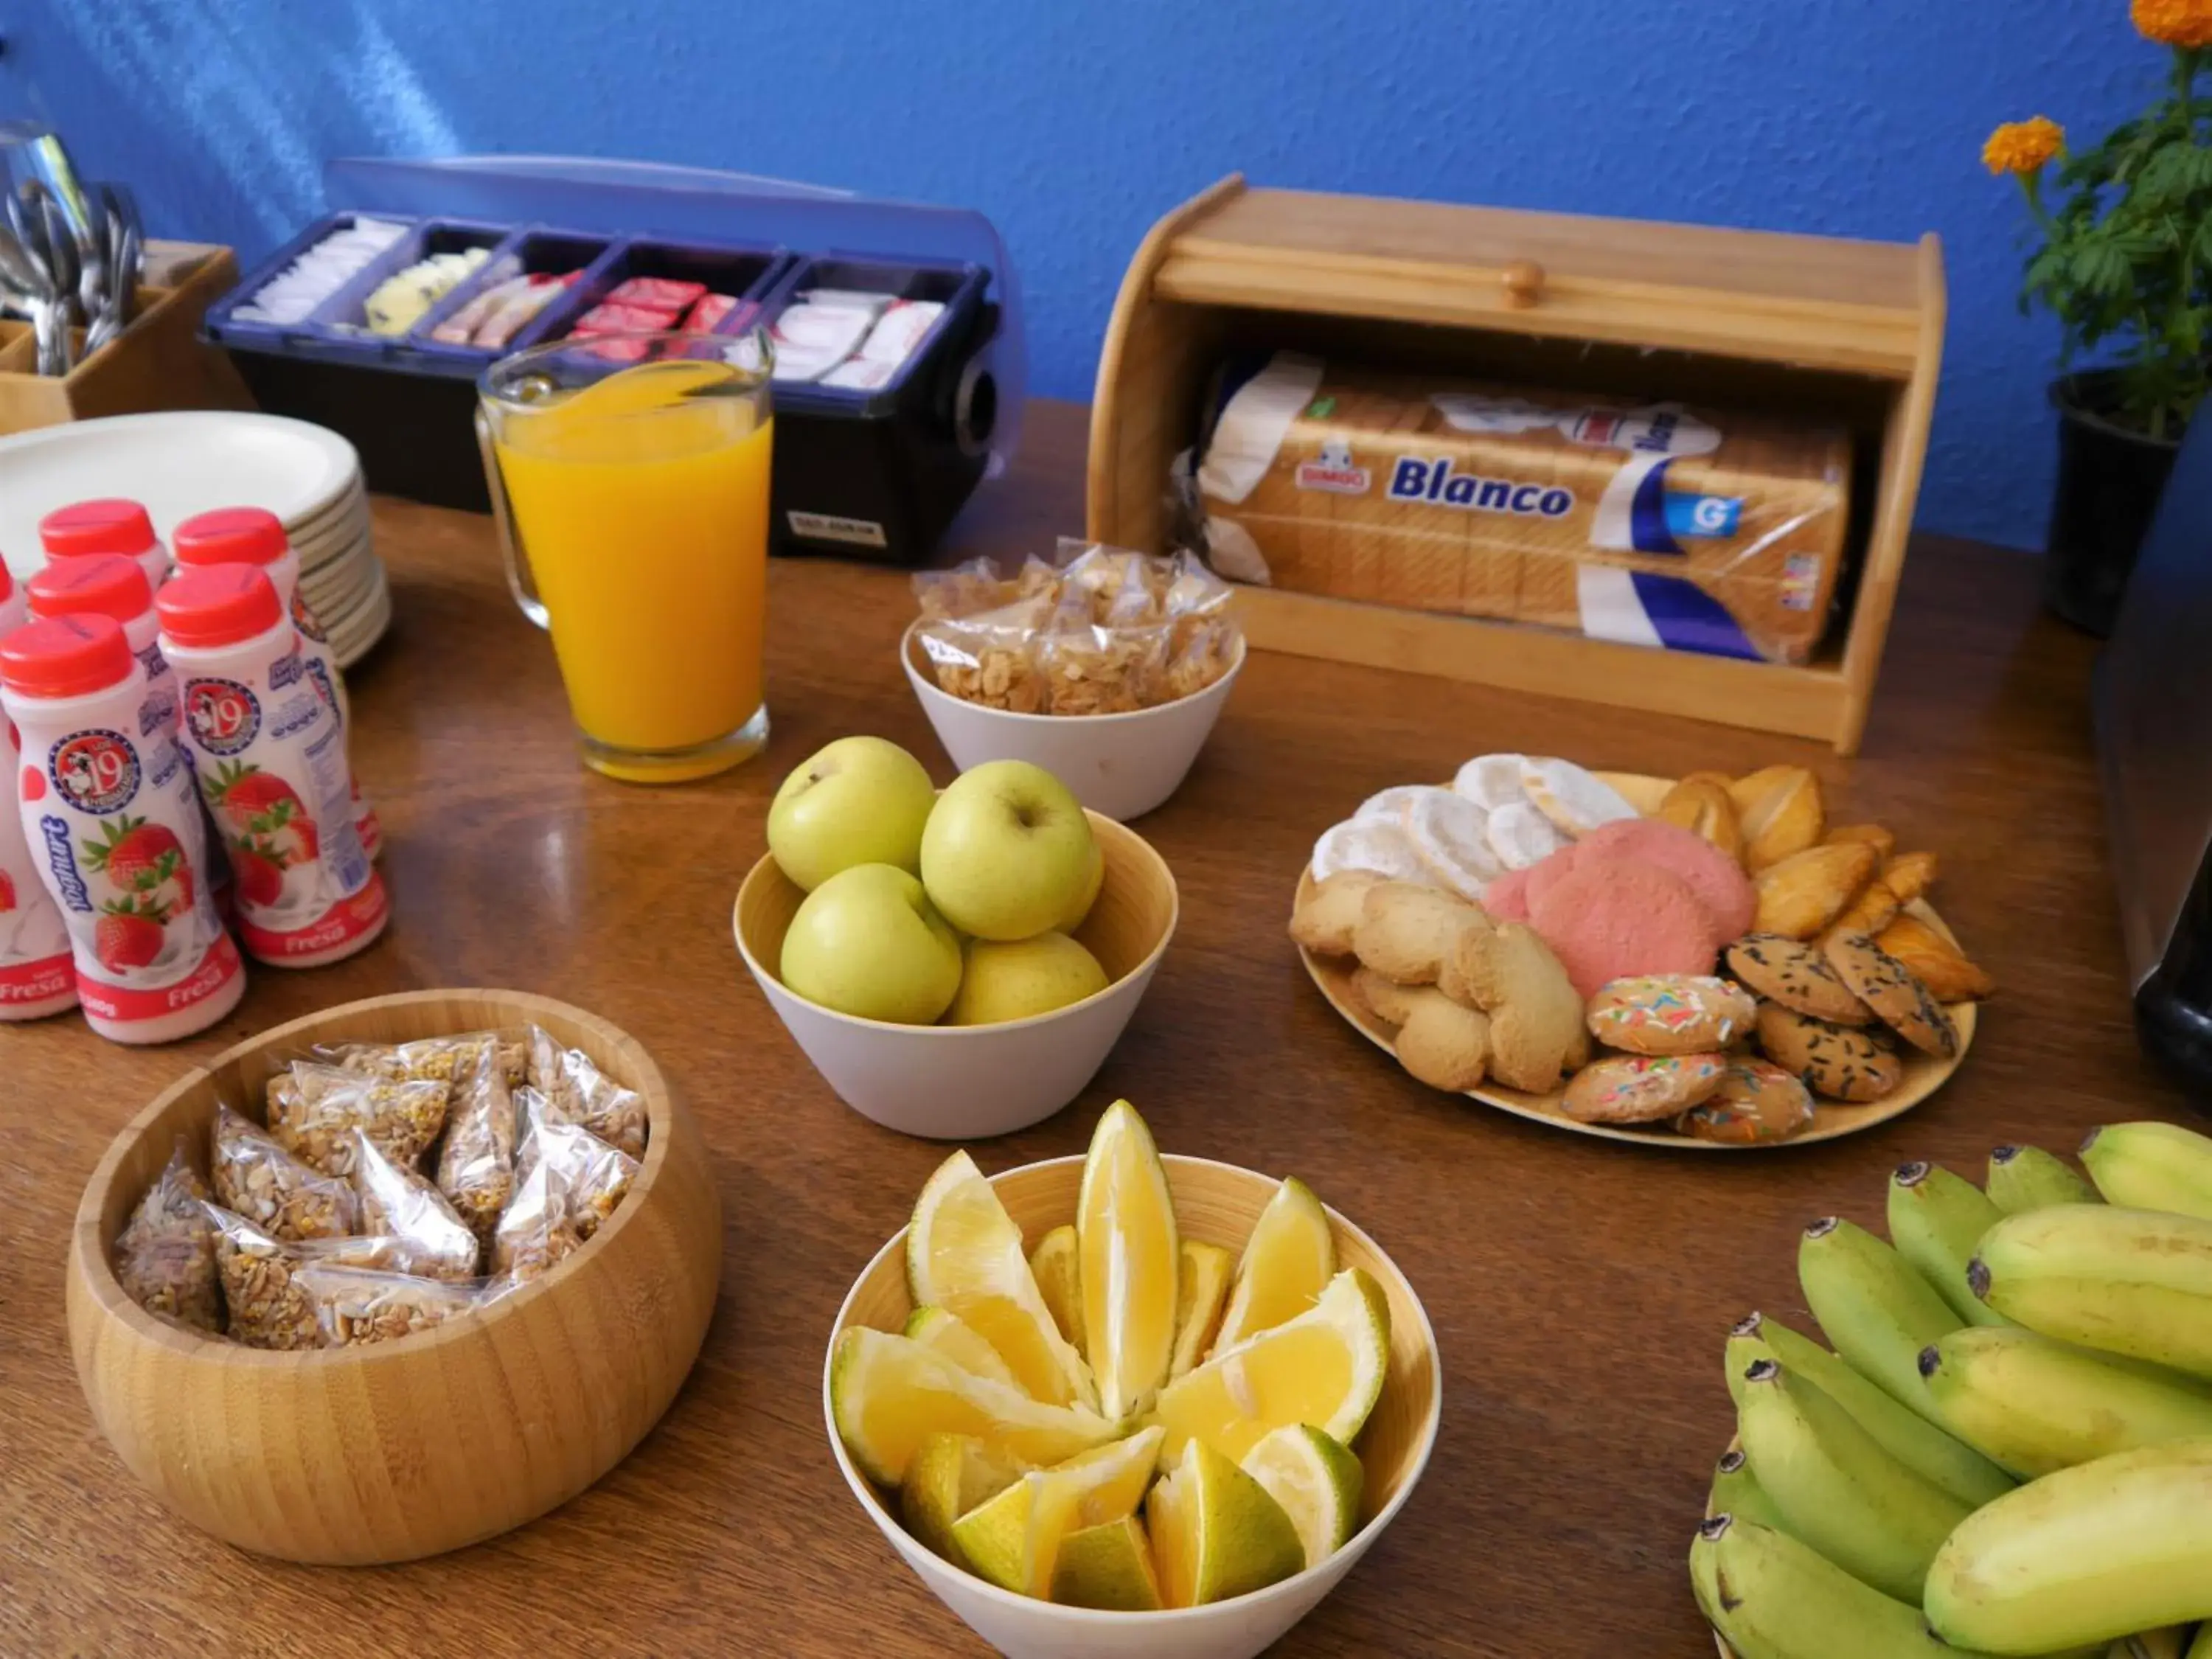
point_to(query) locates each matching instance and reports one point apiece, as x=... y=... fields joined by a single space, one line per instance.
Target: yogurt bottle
x=109 y=811
x=272 y=764
x=37 y=975
x=109 y=585
x=251 y=535
x=89 y=529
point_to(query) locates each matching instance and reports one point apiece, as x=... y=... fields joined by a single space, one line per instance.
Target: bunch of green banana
x=2046 y=1330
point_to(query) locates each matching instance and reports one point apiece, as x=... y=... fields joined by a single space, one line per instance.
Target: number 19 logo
x=225 y=717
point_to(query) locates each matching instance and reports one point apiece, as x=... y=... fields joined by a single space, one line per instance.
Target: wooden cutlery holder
x=158 y=362
x=1845 y=333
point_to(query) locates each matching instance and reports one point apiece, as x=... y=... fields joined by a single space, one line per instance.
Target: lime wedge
x=964 y=1253
x=889 y=1393
x=948 y=1475
x=1201 y=1288
x=1215 y=1532
x=1324 y=1367
x=951 y=1336
x=1109 y=1566
x=1316 y=1480
x=1059 y=1281
x=1287 y=1261
x=1013 y=1540
x=1125 y=1226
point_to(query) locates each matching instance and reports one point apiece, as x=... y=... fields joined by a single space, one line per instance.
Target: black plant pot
x=2108 y=481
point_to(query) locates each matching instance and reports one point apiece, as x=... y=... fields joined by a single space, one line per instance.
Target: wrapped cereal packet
x=476 y=1165
x=595 y=1176
x=423 y=1059
x=536 y=1232
x=268 y=1307
x=395 y=1201
x=325 y=1105
x=576 y=1091
x=268 y=1186
x=165 y=1254
x=355 y=1305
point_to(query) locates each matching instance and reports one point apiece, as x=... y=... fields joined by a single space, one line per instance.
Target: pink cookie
x=1506 y=899
x=1547 y=872
x=1608 y=919
x=1711 y=874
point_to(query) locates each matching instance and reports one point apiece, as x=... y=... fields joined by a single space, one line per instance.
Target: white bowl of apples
x=955 y=965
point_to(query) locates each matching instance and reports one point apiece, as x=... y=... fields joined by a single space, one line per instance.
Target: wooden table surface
x=1580 y=1289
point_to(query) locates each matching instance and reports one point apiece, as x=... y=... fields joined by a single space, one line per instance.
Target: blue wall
x=1074 y=125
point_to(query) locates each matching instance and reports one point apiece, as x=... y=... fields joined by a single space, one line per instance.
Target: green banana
x=1914 y=1440
x=2023 y=1178
x=1772 y=1598
x=2037 y=1405
x=2088 y=1554
x=2202 y=1647
x=1879 y=1313
x=2152 y=1166
x=2134 y=1282
x=1736 y=1492
x=1837 y=1489
x=1935 y=1219
x=2165 y=1644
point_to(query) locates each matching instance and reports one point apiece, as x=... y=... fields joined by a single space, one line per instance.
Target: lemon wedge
x=964 y=1253
x=1013 y=1540
x=1324 y=1367
x=889 y=1393
x=1125 y=1226
x=948 y=1475
x=1316 y=1480
x=1202 y=1287
x=1288 y=1261
x=1053 y=1265
x=1109 y=1566
x=951 y=1336
x=1215 y=1532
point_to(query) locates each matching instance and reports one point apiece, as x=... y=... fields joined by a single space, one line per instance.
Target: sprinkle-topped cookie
x=1900 y=1000
x=1670 y=1013
x=1641 y=1088
x=1757 y=1102
x=1796 y=975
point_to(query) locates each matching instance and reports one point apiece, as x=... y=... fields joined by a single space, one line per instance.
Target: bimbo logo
x=1414 y=479
x=224 y=716
x=95 y=772
x=1334 y=470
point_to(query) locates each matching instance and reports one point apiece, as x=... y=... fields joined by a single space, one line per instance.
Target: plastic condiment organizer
x=959 y=288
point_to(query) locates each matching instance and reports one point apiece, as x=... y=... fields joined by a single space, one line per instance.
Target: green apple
x=1088 y=895
x=860 y=800
x=1003 y=980
x=868 y=942
x=1007 y=851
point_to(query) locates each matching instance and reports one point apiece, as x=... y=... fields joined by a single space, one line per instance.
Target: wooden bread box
x=1785 y=328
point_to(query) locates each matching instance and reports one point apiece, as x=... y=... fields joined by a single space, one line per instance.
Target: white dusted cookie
x=1450 y=836
x=1521 y=836
x=1389 y=806
x=1492 y=781
x=1573 y=798
x=1381 y=847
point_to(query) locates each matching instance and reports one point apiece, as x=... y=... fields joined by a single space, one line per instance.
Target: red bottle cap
x=218 y=605
x=104 y=585
x=65 y=657
x=231 y=535
x=104 y=526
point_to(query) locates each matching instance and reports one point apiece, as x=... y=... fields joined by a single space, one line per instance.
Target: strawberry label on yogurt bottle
x=38 y=976
x=109 y=813
x=272 y=770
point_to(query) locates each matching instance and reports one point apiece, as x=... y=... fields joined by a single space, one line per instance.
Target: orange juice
x=641 y=503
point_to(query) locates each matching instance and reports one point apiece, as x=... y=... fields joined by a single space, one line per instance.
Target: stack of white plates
x=178 y=464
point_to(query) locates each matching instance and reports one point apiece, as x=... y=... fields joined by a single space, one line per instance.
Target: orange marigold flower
x=2185 y=23
x=2024 y=146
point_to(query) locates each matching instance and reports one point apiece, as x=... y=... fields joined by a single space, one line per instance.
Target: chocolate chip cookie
x=1797 y=976
x=1898 y=999
x=1835 y=1060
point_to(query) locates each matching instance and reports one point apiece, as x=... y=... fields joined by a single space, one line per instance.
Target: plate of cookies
x=1706 y=963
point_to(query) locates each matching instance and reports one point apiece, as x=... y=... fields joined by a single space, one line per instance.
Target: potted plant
x=2125 y=265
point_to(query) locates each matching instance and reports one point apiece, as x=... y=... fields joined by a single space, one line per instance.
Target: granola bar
x=395 y=1201
x=267 y=1185
x=165 y=1254
x=476 y=1165
x=595 y=1176
x=401 y=1116
x=355 y=1306
x=536 y=1233
x=576 y=1091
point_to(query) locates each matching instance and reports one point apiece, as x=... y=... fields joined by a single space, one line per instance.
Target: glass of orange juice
x=632 y=474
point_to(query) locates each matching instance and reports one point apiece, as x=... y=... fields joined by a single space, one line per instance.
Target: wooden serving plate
x=1923 y=1074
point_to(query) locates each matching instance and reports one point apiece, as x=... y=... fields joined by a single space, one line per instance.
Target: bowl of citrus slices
x=1129 y=1403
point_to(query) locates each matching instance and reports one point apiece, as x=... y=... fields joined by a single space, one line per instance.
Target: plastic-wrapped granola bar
x=165 y=1255
x=327 y=1105
x=576 y=1091
x=439 y=1059
x=595 y=1175
x=536 y=1232
x=476 y=1165
x=268 y=1186
x=395 y=1201
x=355 y=1306
x=267 y=1306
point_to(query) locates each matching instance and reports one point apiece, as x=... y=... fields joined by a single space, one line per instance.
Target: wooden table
x=1580 y=1291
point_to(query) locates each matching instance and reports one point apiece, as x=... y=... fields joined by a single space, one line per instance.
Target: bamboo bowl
x=392 y=1451
x=1217 y=1203
x=970 y=1082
